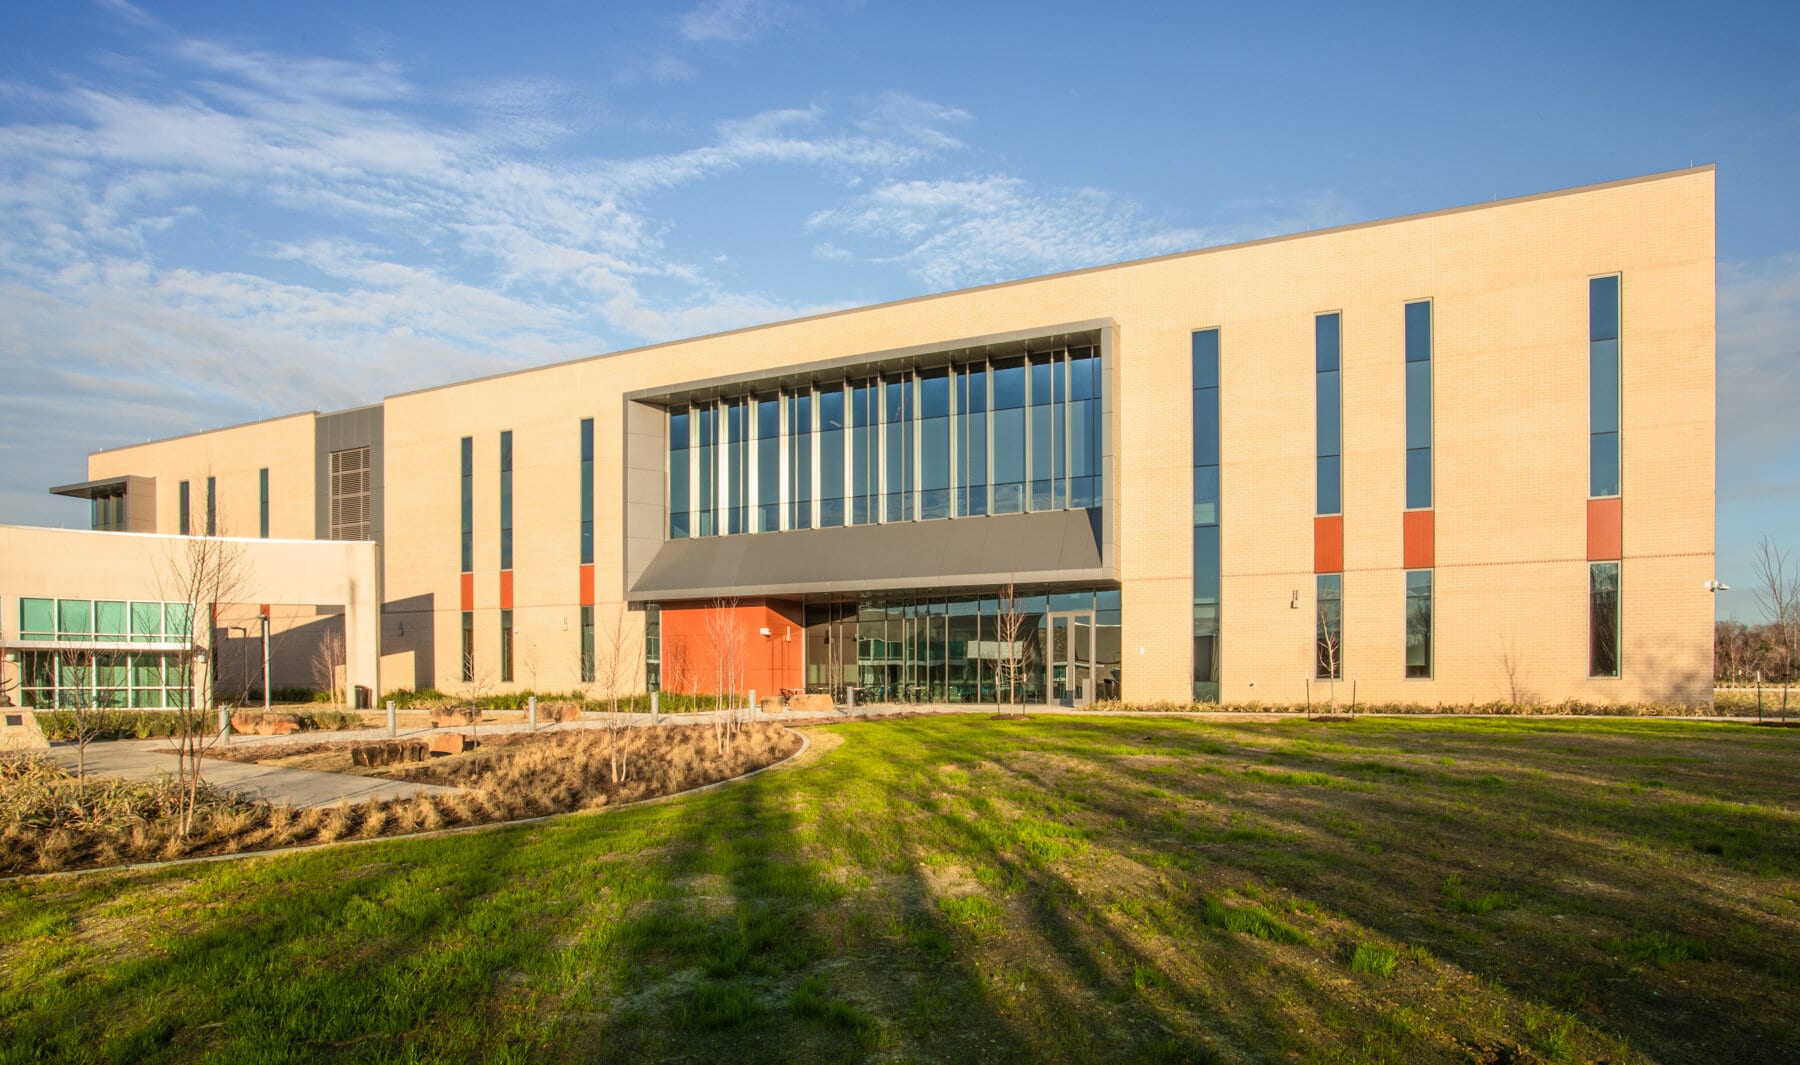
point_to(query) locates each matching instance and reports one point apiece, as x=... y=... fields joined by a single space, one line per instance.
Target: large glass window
x=1327 y=342
x=934 y=444
x=706 y=470
x=737 y=465
x=1008 y=425
x=1006 y=436
x=972 y=440
x=1603 y=619
x=768 y=464
x=1418 y=405
x=1329 y=638
x=800 y=460
x=1084 y=429
x=1418 y=623
x=831 y=456
x=865 y=452
x=1205 y=380
x=1046 y=432
x=897 y=410
x=1603 y=386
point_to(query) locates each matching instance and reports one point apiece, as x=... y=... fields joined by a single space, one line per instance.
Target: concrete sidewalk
x=144 y=760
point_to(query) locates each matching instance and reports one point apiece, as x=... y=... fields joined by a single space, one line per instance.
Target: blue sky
x=216 y=212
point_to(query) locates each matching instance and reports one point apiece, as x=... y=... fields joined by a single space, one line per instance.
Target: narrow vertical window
x=1044 y=432
x=1084 y=428
x=735 y=498
x=934 y=444
x=706 y=471
x=865 y=453
x=1008 y=427
x=680 y=526
x=262 y=502
x=1418 y=623
x=506 y=500
x=587 y=644
x=183 y=511
x=768 y=464
x=897 y=410
x=1327 y=342
x=506 y=646
x=212 y=506
x=1330 y=630
x=1603 y=619
x=587 y=491
x=652 y=647
x=1603 y=386
x=468 y=507
x=1205 y=380
x=1418 y=405
x=972 y=440
x=468 y=646
x=831 y=456
x=800 y=460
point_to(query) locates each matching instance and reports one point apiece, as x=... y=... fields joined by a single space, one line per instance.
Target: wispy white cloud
x=1759 y=376
x=257 y=232
x=731 y=21
x=952 y=233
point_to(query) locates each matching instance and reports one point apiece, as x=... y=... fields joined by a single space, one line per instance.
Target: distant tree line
x=1742 y=651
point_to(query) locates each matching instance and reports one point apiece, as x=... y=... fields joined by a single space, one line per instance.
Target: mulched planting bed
x=50 y=822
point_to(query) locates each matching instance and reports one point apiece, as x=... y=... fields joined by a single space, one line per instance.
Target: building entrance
x=1069 y=666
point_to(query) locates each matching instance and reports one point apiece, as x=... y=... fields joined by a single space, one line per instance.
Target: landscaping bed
x=50 y=822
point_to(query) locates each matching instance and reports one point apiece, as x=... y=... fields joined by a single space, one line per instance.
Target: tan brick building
x=1453 y=457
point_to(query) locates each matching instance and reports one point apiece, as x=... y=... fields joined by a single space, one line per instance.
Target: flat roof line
x=220 y=429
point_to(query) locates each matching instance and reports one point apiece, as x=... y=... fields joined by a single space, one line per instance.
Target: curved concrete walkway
x=303 y=788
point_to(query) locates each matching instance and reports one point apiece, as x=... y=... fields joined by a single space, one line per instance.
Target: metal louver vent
x=350 y=494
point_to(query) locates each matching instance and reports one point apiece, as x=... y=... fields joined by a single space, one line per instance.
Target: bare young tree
x=618 y=670
x=328 y=663
x=82 y=701
x=1777 y=590
x=202 y=573
x=726 y=654
x=1009 y=655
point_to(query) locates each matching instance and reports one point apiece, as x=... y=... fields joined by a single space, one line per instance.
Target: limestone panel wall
x=1508 y=283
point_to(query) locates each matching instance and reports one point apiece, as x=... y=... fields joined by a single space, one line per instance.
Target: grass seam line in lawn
x=436 y=833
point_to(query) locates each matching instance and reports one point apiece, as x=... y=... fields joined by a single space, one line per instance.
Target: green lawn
x=961 y=889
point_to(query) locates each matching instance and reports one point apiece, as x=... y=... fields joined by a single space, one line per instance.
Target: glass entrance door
x=1069 y=665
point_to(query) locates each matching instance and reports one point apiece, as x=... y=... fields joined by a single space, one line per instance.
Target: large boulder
x=812 y=703
x=450 y=743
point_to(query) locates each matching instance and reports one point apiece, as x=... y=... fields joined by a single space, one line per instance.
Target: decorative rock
x=557 y=712
x=816 y=703
x=450 y=743
x=390 y=753
x=773 y=705
x=454 y=715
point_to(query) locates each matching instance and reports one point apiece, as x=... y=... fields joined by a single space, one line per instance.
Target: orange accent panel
x=1606 y=529
x=468 y=591
x=1419 y=550
x=263 y=610
x=506 y=589
x=1328 y=544
x=587 y=585
x=697 y=638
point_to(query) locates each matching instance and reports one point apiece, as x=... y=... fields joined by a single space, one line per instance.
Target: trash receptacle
x=364 y=698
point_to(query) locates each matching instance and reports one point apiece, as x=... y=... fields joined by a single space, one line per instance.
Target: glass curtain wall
x=955 y=648
x=983 y=437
